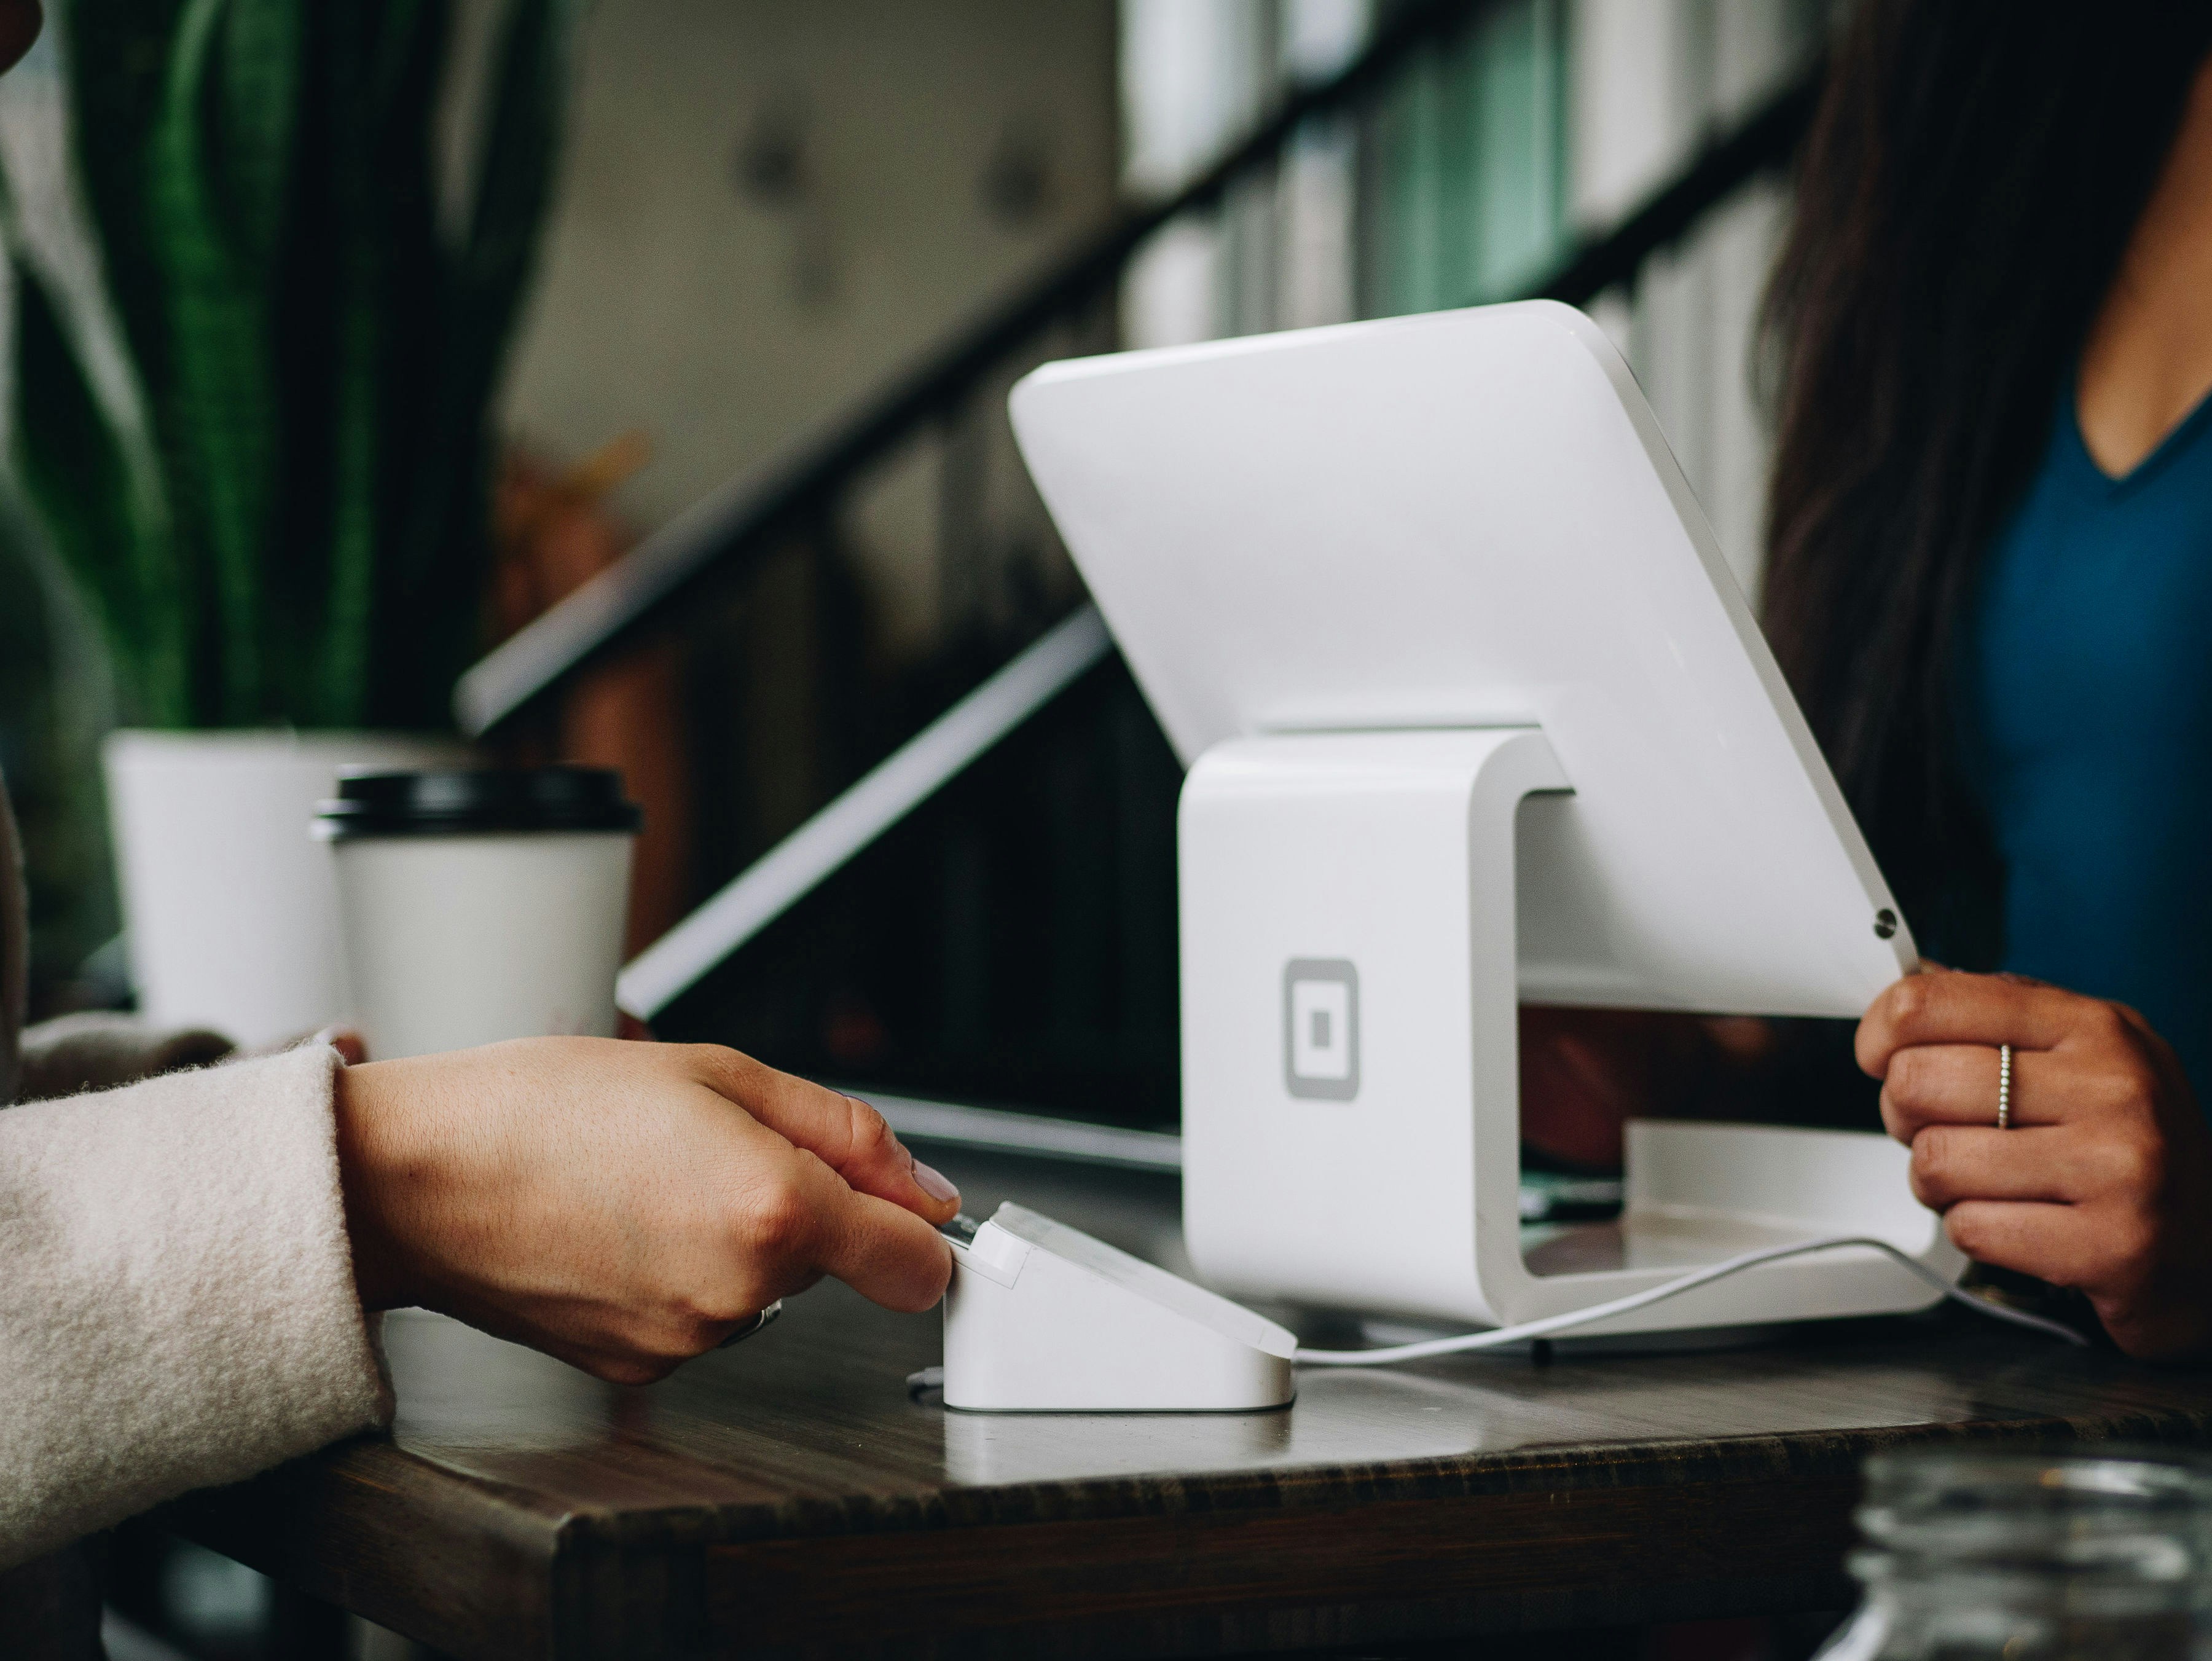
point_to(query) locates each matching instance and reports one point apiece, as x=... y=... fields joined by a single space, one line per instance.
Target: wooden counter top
x=788 y=1497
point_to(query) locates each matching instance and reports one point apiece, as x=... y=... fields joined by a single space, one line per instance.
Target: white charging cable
x=1498 y=1336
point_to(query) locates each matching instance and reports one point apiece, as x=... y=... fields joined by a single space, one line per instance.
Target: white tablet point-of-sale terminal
x=1476 y=714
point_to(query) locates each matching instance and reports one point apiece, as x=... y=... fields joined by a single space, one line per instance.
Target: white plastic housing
x=1042 y=1319
x=1351 y=1075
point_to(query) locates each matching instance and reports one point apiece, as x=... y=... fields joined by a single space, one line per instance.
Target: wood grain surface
x=788 y=1498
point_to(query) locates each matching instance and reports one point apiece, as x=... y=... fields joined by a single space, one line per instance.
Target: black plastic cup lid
x=447 y=801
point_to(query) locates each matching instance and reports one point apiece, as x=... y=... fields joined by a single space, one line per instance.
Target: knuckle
x=2105 y=1026
x=1969 y=1232
x=873 y=1136
x=1934 y=1151
x=2134 y=1165
x=720 y=1067
x=1935 y=1165
x=1908 y=1077
x=1894 y=1120
x=779 y=1223
x=1910 y=1000
x=2104 y=1094
x=2138 y=1080
x=2126 y=1089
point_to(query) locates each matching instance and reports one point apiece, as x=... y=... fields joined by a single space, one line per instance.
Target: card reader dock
x=1476 y=714
x=1042 y=1319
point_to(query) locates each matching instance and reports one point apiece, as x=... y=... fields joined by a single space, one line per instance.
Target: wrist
x=367 y=1173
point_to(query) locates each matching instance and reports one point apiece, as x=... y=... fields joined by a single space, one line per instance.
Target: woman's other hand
x=1585 y=1073
x=2104 y=1182
x=624 y=1206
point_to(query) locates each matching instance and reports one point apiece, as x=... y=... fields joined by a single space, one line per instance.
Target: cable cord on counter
x=1497 y=1337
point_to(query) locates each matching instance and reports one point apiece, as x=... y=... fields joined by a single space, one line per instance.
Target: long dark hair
x=1964 y=201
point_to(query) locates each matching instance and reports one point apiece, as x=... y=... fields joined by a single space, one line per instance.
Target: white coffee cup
x=481 y=905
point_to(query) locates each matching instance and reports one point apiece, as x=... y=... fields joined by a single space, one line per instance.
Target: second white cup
x=481 y=905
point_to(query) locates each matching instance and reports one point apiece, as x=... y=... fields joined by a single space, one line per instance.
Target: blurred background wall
x=767 y=207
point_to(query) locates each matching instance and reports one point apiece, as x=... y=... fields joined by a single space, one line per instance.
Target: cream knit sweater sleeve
x=177 y=1305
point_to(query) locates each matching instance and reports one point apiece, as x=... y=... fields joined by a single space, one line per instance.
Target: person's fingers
x=882 y=1250
x=1946 y=1007
x=1952 y=1164
x=904 y=1177
x=849 y=1136
x=1957 y=1083
x=2047 y=1241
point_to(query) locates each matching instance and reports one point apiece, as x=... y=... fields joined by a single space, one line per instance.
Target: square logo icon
x=1321 y=1028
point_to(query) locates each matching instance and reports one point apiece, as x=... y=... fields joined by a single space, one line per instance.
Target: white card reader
x=1040 y=1317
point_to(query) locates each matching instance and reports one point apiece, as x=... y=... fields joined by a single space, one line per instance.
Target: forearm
x=177 y=1305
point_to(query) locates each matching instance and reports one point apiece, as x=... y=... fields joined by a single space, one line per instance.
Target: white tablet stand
x=1349 y=913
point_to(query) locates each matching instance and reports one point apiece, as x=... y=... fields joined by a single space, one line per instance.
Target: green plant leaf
x=255 y=114
x=264 y=436
x=115 y=53
x=380 y=68
x=78 y=431
x=521 y=149
x=224 y=419
x=445 y=541
x=76 y=475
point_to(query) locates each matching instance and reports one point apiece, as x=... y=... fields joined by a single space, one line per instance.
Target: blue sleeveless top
x=2086 y=716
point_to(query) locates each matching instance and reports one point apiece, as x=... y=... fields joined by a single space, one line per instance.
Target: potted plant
x=252 y=359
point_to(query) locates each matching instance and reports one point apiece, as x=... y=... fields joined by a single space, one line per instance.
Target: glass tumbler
x=2031 y=1557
